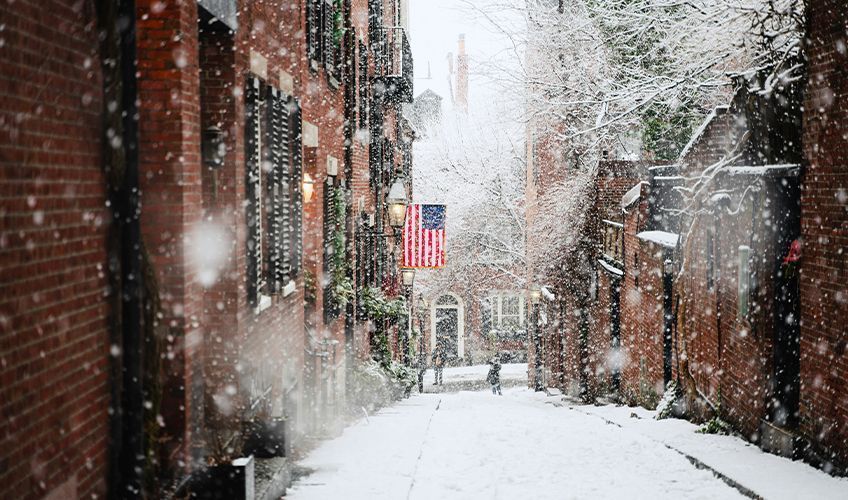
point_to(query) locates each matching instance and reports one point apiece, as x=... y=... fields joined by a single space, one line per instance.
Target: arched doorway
x=448 y=326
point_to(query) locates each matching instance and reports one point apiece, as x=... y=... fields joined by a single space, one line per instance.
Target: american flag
x=424 y=236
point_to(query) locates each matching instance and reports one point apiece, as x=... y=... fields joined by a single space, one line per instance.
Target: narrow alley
x=471 y=444
x=423 y=249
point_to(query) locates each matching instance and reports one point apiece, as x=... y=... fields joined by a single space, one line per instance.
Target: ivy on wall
x=378 y=307
x=341 y=284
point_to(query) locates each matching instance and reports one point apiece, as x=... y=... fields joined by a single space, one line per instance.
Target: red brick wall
x=641 y=313
x=54 y=343
x=243 y=348
x=824 y=228
x=730 y=357
x=600 y=337
x=169 y=166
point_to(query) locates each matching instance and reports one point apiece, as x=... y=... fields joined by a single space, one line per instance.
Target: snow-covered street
x=521 y=445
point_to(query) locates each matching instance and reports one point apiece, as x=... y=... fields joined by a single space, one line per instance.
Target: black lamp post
x=407 y=279
x=535 y=298
x=423 y=305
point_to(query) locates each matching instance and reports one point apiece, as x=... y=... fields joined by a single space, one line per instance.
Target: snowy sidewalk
x=476 y=445
x=762 y=474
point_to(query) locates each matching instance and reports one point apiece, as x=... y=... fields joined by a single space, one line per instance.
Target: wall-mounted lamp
x=535 y=294
x=407 y=275
x=308 y=187
x=396 y=203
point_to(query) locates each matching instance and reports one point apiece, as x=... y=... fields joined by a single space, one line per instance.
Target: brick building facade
x=733 y=290
x=54 y=321
x=239 y=103
x=824 y=230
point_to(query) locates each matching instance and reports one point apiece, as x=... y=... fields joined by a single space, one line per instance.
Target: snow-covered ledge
x=264 y=303
x=290 y=288
x=611 y=269
x=662 y=238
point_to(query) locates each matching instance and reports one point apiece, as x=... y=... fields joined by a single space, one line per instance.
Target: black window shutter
x=327 y=33
x=271 y=192
x=388 y=168
x=252 y=158
x=486 y=306
x=359 y=269
x=330 y=305
x=314 y=29
x=375 y=159
x=295 y=246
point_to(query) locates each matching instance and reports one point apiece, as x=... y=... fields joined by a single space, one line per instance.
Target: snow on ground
x=477 y=445
x=509 y=371
x=767 y=476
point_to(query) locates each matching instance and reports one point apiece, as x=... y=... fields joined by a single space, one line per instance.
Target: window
x=743 y=285
x=376 y=33
x=447 y=300
x=510 y=312
x=274 y=212
x=324 y=32
x=613 y=241
x=507 y=313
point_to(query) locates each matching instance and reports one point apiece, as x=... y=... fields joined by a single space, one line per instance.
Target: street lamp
x=535 y=294
x=423 y=305
x=407 y=276
x=308 y=187
x=396 y=203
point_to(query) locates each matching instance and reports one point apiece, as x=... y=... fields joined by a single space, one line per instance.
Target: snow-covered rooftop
x=631 y=195
x=783 y=169
x=663 y=238
x=660 y=167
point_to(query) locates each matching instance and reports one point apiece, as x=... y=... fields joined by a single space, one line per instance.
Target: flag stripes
x=424 y=236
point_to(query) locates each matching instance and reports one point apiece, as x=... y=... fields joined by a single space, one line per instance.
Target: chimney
x=461 y=76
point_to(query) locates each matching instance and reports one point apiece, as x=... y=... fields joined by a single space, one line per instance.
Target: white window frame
x=496 y=300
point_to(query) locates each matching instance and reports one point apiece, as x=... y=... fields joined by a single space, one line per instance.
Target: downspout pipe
x=117 y=25
x=133 y=457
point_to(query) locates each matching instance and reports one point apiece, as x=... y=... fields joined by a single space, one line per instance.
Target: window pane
x=510 y=306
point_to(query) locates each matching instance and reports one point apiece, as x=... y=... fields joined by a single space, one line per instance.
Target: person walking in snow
x=438 y=364
x=494 y=376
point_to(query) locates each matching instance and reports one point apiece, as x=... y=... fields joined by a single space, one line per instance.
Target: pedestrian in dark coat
x=438 y=365
x=494 y=376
